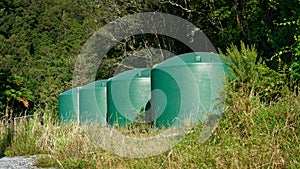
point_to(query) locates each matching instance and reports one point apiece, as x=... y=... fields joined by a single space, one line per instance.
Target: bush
x=252 y=76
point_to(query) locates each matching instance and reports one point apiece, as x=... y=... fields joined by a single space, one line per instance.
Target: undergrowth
x=260 y=129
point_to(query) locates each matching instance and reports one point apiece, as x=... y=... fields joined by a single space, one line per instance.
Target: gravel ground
x=17 y=163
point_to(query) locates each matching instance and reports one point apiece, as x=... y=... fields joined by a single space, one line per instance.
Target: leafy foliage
x=41 y=39
x=252 y=76
x=13 y=95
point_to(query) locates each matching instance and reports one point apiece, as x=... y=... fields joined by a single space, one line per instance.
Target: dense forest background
x=41 y=39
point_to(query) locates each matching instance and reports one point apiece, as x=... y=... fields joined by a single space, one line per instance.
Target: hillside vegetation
x=41 y=39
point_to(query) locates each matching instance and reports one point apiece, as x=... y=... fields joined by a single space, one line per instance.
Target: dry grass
x=249 y=135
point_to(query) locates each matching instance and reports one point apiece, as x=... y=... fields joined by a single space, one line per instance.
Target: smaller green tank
x=127 y=95
x=68 y=105
x=93 y=103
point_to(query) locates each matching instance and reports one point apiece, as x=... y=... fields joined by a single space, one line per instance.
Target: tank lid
x=190 y=58
x=134 y=73
x=96 y=84
x=70 y=91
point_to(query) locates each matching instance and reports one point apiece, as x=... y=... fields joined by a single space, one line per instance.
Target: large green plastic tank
x=127 y=95
x=93 y=103
x=68 y=105
x=187 y=88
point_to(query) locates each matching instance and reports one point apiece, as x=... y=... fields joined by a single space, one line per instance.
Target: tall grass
x=250 y=135
x=260 y=129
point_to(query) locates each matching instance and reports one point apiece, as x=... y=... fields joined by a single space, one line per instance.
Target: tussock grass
x=260 y=129
x=249 y=135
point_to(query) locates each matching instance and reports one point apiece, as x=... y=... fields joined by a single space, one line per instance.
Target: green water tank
x=127 y=95
x=187 y=88
x=68 y=105
x=93 y=103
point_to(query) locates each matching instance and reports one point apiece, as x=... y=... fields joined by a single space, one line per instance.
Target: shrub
x=252 y=76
